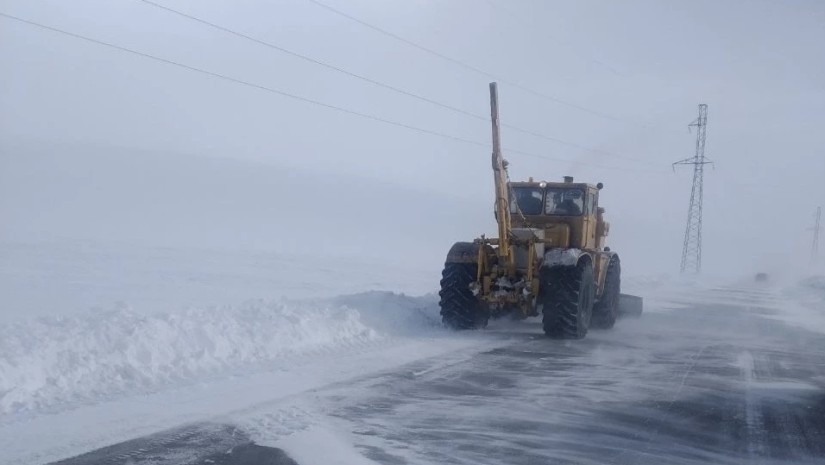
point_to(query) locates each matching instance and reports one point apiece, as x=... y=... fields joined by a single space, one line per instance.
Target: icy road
x=710 y=374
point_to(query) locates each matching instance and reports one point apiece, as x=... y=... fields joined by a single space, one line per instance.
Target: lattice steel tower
x=692 y=249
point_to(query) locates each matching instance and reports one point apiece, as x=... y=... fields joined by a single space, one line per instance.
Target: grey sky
x=759 y=65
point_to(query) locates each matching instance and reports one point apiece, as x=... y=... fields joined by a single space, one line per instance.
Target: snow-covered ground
x=82 y=322
x=805 y=303
x=274 y=397
x=100 y=343
x=98 y=340
x=71 y=277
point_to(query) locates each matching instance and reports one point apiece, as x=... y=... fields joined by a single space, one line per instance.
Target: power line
x=293 y=96
x=384 y=85
x=576 y=162
x=469 y=66
x=575 y=145
x=242 y=82
x=313 y=60
x=495 y=5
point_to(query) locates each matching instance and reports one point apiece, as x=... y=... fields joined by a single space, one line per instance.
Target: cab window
x=527 y=200
x=564 y=202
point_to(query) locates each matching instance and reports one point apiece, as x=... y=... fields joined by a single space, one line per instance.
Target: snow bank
x=51 y=363
x=804 y=304
x=338 y=447
x=814 y=286
x=394 y=313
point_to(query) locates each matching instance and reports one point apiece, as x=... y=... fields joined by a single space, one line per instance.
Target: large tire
x=567 y=294
x=460 y=309
x=606 y=310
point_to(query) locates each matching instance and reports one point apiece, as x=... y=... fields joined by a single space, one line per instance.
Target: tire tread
x=460 y=309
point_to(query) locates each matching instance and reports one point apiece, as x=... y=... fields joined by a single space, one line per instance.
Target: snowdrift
x=814 y=285
x=805 y=304
x=52 y=363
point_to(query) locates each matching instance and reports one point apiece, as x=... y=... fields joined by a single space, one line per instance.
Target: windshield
x=564 y=202
x=527 y=200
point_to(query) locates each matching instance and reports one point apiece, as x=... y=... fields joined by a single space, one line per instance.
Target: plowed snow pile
x=50 y=363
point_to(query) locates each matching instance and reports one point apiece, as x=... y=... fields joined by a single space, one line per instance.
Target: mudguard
x=464 y=252
x=561 y=257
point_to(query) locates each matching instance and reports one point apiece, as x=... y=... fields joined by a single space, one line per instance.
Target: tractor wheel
x=567 y=296
x=460 y=309
x=607 y=309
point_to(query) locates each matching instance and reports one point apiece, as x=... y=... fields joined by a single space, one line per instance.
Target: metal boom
x=502 y=193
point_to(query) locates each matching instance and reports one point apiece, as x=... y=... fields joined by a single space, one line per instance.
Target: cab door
x=590 y=222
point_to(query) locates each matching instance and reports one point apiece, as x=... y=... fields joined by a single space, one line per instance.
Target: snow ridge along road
x=74 y=384
x=718 y=374
x=53 y=363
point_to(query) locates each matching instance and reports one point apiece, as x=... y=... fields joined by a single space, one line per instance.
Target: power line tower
x=692 y=249
x=815 y=243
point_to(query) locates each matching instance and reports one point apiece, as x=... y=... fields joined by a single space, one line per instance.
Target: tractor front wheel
x=567 y=295
x=460 y=308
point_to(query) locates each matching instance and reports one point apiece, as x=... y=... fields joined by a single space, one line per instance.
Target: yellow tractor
x=550 y=258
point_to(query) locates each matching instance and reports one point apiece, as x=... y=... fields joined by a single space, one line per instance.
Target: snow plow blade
x=630 y=305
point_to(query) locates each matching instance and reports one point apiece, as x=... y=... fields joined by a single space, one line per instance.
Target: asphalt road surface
x=713 y=380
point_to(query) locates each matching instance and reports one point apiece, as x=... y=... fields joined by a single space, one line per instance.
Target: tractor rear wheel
x=460 y=309
x=567 y=295
x=607 y=309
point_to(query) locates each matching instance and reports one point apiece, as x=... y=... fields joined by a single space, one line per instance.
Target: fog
x=104 y=145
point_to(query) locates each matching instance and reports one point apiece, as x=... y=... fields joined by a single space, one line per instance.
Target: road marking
x=753 y=408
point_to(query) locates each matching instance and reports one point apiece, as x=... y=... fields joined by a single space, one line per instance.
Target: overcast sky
x=630 y=75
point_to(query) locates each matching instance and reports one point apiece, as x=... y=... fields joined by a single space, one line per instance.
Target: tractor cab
x=567 y=212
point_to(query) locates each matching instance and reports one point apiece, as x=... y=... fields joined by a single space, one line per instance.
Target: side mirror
x=599 y=186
